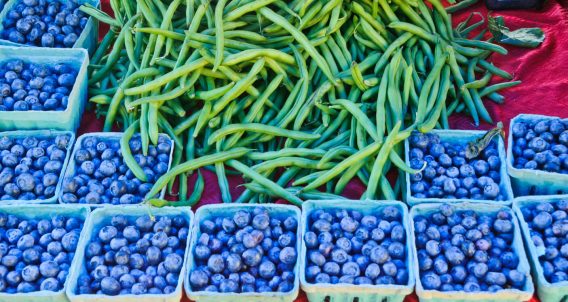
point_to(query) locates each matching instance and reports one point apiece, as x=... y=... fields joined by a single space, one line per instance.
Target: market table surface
x=543 y=71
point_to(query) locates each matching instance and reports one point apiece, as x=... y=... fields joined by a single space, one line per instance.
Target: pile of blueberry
x=135 y=256
x=31 y=166
x=548 y=223
x=352 y=248
x=449 y=174
x=248 y=252
x=102 y=177
x=36 y=253
x=27 y=86
x=467 y=251
x=541 y=145
x=44 y=23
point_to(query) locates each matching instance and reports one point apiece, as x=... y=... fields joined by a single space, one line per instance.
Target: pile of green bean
x=297 y=96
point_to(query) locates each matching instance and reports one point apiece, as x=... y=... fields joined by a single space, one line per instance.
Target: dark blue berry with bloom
x=476 y=254
x=134 y=255
x=102 y=177
x=541 y=145
x=249 y=251
x=44 y=23
x=347 y=246
x=36 y=254
x=28 y=86
x=31 y=166
x=548 y=226
x=450 y=174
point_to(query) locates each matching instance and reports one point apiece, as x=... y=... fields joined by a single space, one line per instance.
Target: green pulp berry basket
x=42 y=134
x=91 y=228
x=546 y=291
x=228 y=210
x=108 y=137
x=68 y=119
x=350 y=292
x=87 y=40
x=45 y=212
x=462 y=137
x=506 y=295
x=533 y=182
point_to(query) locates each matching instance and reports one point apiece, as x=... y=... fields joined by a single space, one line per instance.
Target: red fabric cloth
x=543 y=71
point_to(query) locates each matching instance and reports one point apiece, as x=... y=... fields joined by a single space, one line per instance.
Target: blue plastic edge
x=42 y=133
x=104 y=215
x=29 y=212
x=523 y=180
x=348 y=292
x=462 y=136
x=506 y=295
x=224 y=210
x=70 y=170
x=87 y=40
x=546 y=291
x=68 y=119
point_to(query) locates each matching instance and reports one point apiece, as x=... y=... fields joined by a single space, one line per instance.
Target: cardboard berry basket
x=107 y=137
x=228 y=210
x=546 y=291
x=350 y=292
x=461 y=137
x=103 y=216
x=45 y=212
x=42 y=134
x=87 y=40
x=533 y=182
x=68 y=119
x=505 y=295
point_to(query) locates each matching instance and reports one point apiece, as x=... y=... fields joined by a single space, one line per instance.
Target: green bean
x=127 y=154
x=347 y=176
x=118 y=96
x=103 y=46
x=286 y=152
x=194 y=164
x=219 y=35
x=239 y=88
x=482 y=111
x=495 y=70
x=168 y=77
x=317 y=195
x=374 y=35
x=483 y=45
x=191 y=201
x=166 y=23
x=99 y=15
x=265 y=182
x=396 y=44
x=303 y=163
x=260 y=128
x=360 y=116
x=461 y=5
x=223 y=183
x=496 y=97
x=343 y=165
x=301 y=38
x=377 y=170
x=416 y=30
x=478 y=83
x=411 y=13
x=428 y=83
x=248 y=55
x=429 y=124
x=247 y=8
x=114 y=54
x=460 y=82
x=496 y=87
x=307 y=179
